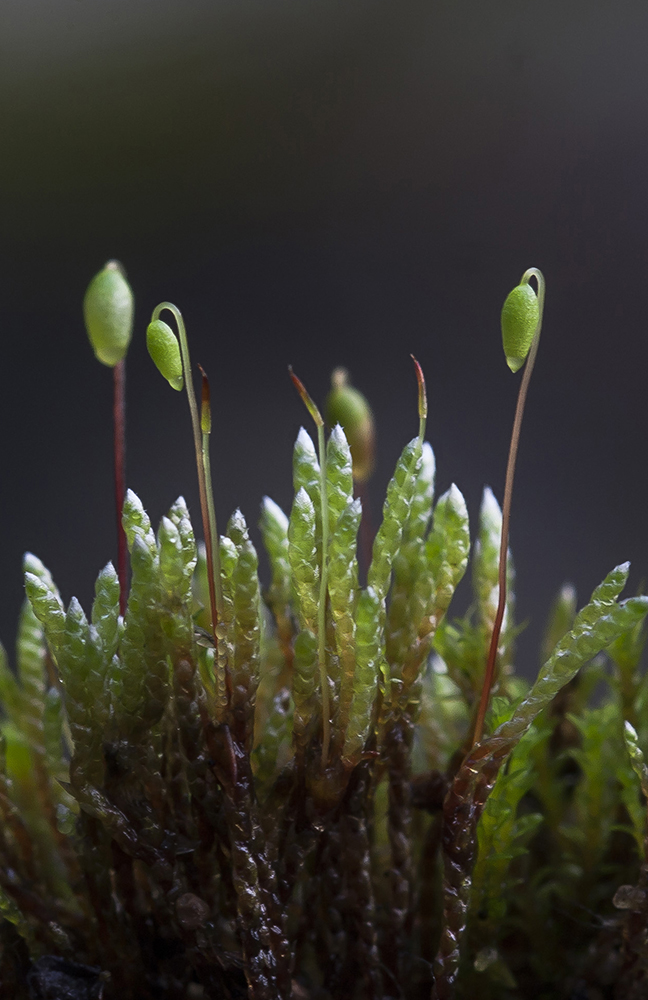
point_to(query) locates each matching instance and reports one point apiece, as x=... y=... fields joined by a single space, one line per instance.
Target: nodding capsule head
x=164 y=349
x=520 y=315
x=108 y=314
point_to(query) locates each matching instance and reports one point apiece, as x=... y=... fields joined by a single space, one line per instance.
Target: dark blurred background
x=327 y=183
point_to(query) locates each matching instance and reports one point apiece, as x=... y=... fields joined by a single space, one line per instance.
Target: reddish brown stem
x=119 y=421
x=506 y=515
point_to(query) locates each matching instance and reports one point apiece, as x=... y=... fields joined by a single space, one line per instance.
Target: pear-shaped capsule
x=520 y=314
x=164 y=348
x=348 y=407
x=108 y=314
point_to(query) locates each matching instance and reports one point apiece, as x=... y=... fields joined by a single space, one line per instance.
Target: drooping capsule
x=164 y=349
x=349 y=408
x=520 y=315
x=108 y=314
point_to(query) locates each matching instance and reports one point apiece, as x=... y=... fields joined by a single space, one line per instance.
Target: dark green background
x=327 y=183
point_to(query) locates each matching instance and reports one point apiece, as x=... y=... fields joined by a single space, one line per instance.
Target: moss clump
x=181 y=820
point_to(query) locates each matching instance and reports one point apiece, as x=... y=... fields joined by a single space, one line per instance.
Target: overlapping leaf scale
x=343 y=592
x=105 y=610
x=84 y=676
x=140 y=681
x=486 y=581
x=446 y=552
x=636 y=808
x=45 y=600
x=412 y=586
x=306 y=476
x=247 y=631
x=396 y=511
x=302 y=553
x=225 y=628
x=369 y=663
x=339 y=475
x=31 y=651
x=274 y=531
x=598 y=624
x=274 y=747
x=306 y=695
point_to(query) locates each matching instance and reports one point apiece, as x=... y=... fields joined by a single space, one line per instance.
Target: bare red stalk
x=119 y=422
x=506 y=516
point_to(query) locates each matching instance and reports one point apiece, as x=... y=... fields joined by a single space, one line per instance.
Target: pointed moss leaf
x=595 y=627
x=369 y=662
x=179 y=515
x=421 y=509
x=164 y=349
x=237 y=528
x=45 y=600
x=395 y=513
x=141 y=686
x=306 y=470
x=105 y=609
x=486 y=556
x=447 y=548
x=30 y=655
x=136 y=523
x=31 y=651
x=274 y=531
x=172 y=565
x=306 y=475
x=520 y=315
x=32 y=564
x=108 y=313
x=412 y=583
x=636 y=756
x=228 y=556
x=302 y=553
x=339 y=476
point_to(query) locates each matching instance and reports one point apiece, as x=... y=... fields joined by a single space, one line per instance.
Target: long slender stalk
x=506 y=508
x=119 y=424
x=205 y=424
x=204 y=483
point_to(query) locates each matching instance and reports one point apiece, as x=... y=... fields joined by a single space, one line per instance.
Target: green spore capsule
x=349 y=408
x=520 y=315
x=164 y=349
x=108 y=314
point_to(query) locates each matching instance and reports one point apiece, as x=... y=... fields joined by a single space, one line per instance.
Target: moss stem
x=204 y=479
x=119 y=425
x=533 y=272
